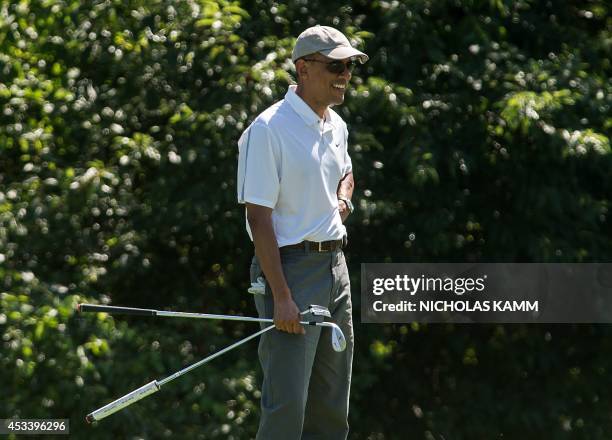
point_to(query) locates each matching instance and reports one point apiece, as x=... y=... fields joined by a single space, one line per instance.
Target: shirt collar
x=304 y=110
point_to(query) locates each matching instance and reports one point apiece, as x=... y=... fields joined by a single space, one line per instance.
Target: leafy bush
x=479 y=132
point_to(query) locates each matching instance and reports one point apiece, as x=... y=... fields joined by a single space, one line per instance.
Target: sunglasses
x=336 y=67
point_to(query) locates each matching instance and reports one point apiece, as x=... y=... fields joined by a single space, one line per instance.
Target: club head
x=338 y=339
x=317 y=310
x=318 y=313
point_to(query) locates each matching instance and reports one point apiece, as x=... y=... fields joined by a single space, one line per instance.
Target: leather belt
x=313 y=246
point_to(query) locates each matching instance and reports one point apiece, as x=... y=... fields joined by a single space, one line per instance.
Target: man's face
x=325 y=87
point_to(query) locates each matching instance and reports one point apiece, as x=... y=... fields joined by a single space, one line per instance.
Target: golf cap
x=327 y=41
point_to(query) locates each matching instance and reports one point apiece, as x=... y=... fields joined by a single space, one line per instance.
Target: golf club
x=155 y=385
x=318 y=312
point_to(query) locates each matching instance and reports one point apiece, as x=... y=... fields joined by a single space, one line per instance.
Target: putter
x=319 y=313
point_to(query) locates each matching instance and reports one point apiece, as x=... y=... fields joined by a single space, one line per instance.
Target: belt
x=313 y=246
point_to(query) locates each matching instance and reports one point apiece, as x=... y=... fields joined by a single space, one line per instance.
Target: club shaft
x=170 y=314
x=167 y=314
x=213 y=356
x=154 y=386
x=115 y=310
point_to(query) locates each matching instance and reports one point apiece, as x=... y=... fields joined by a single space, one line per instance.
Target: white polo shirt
x=292 y=161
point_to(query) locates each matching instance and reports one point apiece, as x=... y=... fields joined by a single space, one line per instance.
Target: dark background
x=479 y=132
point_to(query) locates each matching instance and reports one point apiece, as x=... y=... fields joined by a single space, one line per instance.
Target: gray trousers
x=306 y=384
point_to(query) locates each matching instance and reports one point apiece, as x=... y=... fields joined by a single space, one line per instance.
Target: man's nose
x=346 y=74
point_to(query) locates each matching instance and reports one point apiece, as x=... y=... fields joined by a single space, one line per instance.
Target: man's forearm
x=345 y=190
x=286 y=312
x=266 y=249
x=345 y=187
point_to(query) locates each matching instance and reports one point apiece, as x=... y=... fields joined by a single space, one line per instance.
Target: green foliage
x=480 y=131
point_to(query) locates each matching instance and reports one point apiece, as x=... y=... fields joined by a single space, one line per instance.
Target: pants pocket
x=255 y=270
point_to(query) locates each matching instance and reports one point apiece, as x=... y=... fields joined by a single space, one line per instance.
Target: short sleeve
x=348 y=164
x=258 y=167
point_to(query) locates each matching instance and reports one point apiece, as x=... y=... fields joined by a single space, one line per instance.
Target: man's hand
x=287 y=316
x=343 y=209
x=286 y=313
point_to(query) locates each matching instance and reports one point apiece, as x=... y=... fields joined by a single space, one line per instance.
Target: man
x=295 y=177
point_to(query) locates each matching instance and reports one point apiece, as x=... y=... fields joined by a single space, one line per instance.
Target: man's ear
x=301 y=69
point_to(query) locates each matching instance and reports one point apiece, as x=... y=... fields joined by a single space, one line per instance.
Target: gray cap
x=327 y=41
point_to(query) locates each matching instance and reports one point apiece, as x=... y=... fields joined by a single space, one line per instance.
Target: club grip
x=124 y=401
x=115 y=310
